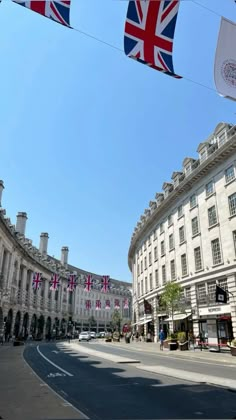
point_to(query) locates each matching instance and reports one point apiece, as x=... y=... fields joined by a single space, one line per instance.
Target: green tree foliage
x=116 y=320
x=170 y=299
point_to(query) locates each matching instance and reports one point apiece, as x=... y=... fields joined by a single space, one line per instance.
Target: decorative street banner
x=221 y=295
x=126 y=303
x=71 y=283
x=149 y=33
x=88 y=284
x=105 y=284
x=88 y=304
x=117 y=304
x=108 y=304
x=225 y=60
x=54 y=283
x=59 y=11
x=98 y=305
x=37 y=280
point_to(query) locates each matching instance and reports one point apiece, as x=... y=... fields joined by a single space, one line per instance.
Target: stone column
x=156 y=321
x=194 y=310
x=231 y=281
x=23 y=287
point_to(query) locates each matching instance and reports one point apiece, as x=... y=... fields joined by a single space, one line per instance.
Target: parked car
x=84 y=336
x=92 y=334
x=102 y=334
x=98 y=335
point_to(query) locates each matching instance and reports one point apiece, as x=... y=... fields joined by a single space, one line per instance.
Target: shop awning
x=145 y=321
x=178 y=317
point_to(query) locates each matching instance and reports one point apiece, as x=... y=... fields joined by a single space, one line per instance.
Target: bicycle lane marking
x=53 y=364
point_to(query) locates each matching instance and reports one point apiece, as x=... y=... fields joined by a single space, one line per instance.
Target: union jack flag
x=88 y=284
x=54 y=283
x=71 y=283
x=105 y=285
x=88 y=304
x=59 y=10
x=126 y=303
x=108 y=305
x=37 y=280
x=117 y=304
x=98 y=305
x=149 y=33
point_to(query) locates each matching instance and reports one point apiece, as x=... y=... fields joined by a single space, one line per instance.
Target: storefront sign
x=214 y=310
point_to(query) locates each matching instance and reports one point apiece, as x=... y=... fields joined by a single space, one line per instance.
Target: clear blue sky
x=87 y=135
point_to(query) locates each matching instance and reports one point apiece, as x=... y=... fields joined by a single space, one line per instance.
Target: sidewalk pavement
x=197 y=354
x=23 y=395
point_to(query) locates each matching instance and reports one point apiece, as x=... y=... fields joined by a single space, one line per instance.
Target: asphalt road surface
x=105 y=390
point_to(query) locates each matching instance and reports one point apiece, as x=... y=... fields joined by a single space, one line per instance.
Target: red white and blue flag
x=149 y=33
x=117 y=304
x=105 y=284
x=108 y=304
x=98 y=305
x=59 y=10
x=37 y=280
x=54 y=283
x=88 y=304
x=71 y=283
x=126 y=303
x=88 y=284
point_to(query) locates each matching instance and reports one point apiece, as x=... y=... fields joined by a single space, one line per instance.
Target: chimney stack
x=21 y=222
x=43 y=246
x=1 y=190
x=64 y=255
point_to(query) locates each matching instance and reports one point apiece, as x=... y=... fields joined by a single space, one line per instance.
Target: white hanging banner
x=225 y=60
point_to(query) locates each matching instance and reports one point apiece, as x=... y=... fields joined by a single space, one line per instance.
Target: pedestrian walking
x=161 y=338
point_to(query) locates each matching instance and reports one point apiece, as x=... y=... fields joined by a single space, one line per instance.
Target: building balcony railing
x=206 y=301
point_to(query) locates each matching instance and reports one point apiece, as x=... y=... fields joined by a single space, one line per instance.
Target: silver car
x=84 y=336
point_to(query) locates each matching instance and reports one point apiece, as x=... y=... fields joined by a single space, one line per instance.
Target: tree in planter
x=116 y=320
x=170 y=298
x=91 y=322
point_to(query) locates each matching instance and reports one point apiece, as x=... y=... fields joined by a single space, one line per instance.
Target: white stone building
x=188 y=235
x=24 y=310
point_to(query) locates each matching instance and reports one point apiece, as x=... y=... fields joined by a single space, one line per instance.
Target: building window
x=149 y=240
x=203 y=155
x=201 y=294
x=216 y=251
x=150 y=281
x=212 y=219
x=171 y=241
x=141 y=266
x=181 y=235
x=188 y=169
x=170 y=220
x=195 y=229
x=138 y=289
x=162 y=248
x=184 y=265
x=144 y=246
x=229 y=174
x=138 y=270
x=145 y=263
x=222 y=138
x=172 y=270
x=146 y=285
x=155 y=253
x=198 y=258
x=234 y=239
x=188 y=294
x=155 y=234
x=156 y=278
x=161 y=228
x=209 y=188
x=211 y=291
x=232 y=204
x=180 y=211
x=141 y=287
x=193 y=201
x=150 y=258
x=163 y=274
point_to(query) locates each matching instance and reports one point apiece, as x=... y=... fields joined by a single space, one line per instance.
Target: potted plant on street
x=173 y=343
x=171 y=299
x=183 y=343
x=233 y=347
x=116 y=336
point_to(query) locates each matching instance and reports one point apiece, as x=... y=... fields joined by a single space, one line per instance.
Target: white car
x=92 y=334
x=84 y=336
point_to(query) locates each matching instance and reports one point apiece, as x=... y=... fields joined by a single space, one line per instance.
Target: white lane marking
x=54 y=375
x=54 y=364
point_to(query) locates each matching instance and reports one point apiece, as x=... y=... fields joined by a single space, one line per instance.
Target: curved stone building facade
x=25 y=311
x=188 y=236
